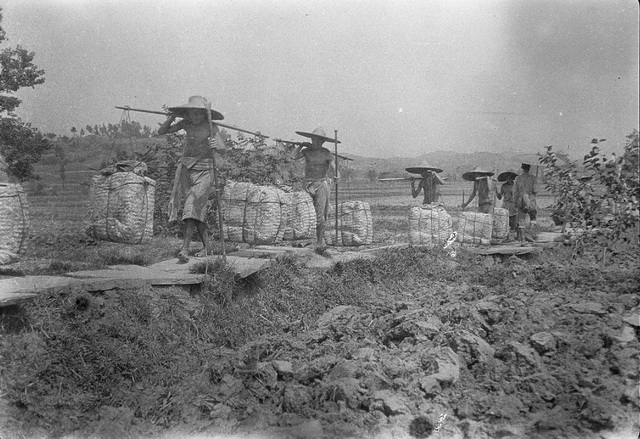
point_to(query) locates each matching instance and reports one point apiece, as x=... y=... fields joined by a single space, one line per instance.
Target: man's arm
x=167 y=128
x=415 y=192
x=472 y=196
x=298 y=153
x=334 y=171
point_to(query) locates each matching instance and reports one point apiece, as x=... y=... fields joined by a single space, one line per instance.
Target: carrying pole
x=127 y=108
x=336 y=179
x=215 y=183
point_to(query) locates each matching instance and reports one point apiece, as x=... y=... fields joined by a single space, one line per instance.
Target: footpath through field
x=170 y=272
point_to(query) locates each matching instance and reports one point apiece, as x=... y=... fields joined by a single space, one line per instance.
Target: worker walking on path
x=319 y=170
x=525 y=190
x=506 y=195
x=194 y=174
x=482 y=187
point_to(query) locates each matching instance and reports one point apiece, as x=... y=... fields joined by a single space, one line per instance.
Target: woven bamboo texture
x=500 y=228
x=475 y=228
x=121 y=208
x=355 y=224
x=254 y=214
x=301 y=221
x=429 y=225
x=14 y=220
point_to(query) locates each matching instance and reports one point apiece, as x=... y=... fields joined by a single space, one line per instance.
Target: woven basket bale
x=429 y=225
x=121 y=208
x=14 y=220
x=475 y=228
x=301 y=222
x=500 y=229
x=254 y=214
x=355 y=224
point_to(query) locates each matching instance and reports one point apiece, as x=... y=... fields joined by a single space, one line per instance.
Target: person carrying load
x=482 y=187
x=429 y=183
x=195 y=171
x=318 y=163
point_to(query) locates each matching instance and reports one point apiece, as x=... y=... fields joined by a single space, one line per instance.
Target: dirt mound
x=524 y=364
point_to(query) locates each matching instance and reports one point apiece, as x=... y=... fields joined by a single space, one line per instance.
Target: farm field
x=415 y=343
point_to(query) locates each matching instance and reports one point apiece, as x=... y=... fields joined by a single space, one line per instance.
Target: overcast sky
x=394 y=77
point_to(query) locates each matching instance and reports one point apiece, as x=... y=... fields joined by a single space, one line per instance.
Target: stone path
x=170 y=272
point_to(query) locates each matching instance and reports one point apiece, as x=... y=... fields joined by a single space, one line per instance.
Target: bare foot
x=183 y=256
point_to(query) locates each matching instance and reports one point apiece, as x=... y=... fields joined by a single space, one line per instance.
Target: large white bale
x=301 y=222
x=254 y=214
x=121 y=208
x=14 y=221
x=475 y=228
x=429 y=225
x=355 y=224
x=500 y=229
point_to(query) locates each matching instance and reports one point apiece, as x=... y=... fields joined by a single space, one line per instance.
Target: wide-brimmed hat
x=195 y=103
x=507 y=175
x=477 y=172
x=421 y=168
x=319 y=133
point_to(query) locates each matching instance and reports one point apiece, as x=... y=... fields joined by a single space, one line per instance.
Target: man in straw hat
x=193 y=179
x=506 y=195
x=483 y=187
x=429 y=183
x=318 y=163
x=525 y=190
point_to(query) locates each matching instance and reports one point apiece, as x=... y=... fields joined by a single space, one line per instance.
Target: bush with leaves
x=20 y=145
x=599 y=197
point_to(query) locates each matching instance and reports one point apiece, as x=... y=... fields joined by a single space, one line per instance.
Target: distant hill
x=453 y=164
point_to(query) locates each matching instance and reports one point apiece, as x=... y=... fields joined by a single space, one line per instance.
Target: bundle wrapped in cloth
x=301 y=222
x=429 y=225
x=355 y=224
x=254 y=214
x=475 y=228
x=121 y=207
x=14 y=221
x=500 y=229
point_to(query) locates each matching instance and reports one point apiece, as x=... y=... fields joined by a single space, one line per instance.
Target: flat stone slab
x=242 y=266
x=503 y=250
x=19 y=289
x=149 y=275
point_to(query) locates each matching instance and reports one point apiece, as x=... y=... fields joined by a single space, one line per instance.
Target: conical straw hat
x=318 y=132
x=477 y=172
x=195 y=103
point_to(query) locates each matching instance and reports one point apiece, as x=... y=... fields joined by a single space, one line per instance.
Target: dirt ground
x=456 y=361
x=541 y=352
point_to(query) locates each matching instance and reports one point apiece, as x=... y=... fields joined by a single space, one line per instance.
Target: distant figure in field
x=318 y=171
x=525 y=190
x=429 y=183
x=506 y=195
x=194 y=174
x=482 y=187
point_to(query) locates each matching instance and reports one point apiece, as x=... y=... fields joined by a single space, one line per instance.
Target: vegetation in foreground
x=273 y=351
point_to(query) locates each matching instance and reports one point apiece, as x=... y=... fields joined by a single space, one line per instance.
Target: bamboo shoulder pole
x=215 y=184
x=335 y=143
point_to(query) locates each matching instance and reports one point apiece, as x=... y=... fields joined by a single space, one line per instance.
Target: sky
x=394 y=78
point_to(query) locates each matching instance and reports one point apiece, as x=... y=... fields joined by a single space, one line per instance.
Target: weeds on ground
x=149 y=352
